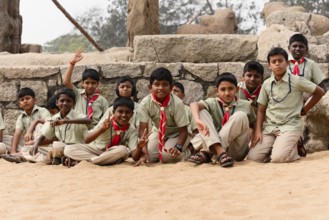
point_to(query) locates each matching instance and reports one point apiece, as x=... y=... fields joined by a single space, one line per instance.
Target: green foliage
x=68 y=43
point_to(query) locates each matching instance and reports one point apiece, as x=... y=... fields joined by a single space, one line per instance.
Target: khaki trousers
x=233 y=136
x=281 y=147
x=96 y=156
x=153 y=149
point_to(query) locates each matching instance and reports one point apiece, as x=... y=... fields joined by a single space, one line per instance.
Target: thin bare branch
x=210 y=7
x=75 y=23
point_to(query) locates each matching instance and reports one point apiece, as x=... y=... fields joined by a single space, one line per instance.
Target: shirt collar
x=68 y=116
x=285 y=77
x=35 y=108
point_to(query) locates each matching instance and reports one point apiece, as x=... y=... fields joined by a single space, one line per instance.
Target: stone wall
x=194 y=60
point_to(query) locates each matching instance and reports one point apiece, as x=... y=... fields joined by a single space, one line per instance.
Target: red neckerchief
x=162 y=123
x=90 y=102
x=296 y=68
x=253 y=95
x=117 y=137
x=226 y=108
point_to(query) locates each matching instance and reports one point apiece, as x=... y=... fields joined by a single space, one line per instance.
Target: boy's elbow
x=319 y=92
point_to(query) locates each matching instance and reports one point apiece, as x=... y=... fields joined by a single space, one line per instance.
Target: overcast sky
x=43 y=21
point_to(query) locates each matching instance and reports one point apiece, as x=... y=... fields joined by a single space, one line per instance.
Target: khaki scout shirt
x=215 y=110
x=284 y=108
x=128 y=138
x=100 y=105
x=308 y=69
x=24 y=120
x=66 y=133
x=175 y=112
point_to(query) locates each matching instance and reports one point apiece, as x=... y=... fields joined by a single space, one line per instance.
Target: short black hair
x=25 y=92
x=90 y=73
x=277 y=51
x=161 y=74
x=179 y=85
x=125 y=79
x=229 y=77
x=51 y=104
x=253 y=65
x=123 y=101
x=298 y=38
x=66 y=91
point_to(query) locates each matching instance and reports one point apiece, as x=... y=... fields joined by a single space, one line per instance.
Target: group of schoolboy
x=257 y=120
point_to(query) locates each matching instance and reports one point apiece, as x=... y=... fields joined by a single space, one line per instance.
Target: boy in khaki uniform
x=88 y=100
x=249 y=88
x=304 y=67
x=281 y=101
x=111 y=141
x=168 y=141
x=224 y=124
x=3 y=148
x=32 y=112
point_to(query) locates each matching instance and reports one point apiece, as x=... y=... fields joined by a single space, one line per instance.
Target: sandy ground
x=249 y=190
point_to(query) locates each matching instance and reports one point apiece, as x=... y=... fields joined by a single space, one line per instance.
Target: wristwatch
x=179 y=147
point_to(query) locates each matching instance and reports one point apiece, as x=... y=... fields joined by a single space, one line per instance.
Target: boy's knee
x=256 y=156
x=280 y=158
x=3 y=148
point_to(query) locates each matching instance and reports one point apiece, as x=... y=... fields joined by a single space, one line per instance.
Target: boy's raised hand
x=144 y=139
x=77 y=56
x=203 y=129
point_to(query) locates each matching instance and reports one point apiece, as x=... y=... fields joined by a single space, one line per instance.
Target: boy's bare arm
x=196 y=107
x=15 y=141
x=29 y=133
x=58 y=122
x=34 y=149
x=143 y=127
x=316 y=96
x=1 y=135
x=68 y=75
x=259 y=124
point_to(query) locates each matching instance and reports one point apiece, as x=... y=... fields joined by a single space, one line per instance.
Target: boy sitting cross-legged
x=111 y=141
x=223 y=123
x=281 y=102
x=168 y=141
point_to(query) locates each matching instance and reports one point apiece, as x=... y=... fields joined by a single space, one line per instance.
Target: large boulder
x=142 y=19
x=222 y=22
x=195 y=49
x=305 y=23
x=317 y=126
x=273 y=36
x=270 y=7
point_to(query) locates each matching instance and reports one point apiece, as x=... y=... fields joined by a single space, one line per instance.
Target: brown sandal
x=225 y=160
x=200 y=157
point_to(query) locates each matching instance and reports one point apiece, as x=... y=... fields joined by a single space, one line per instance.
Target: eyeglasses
x=272 y=95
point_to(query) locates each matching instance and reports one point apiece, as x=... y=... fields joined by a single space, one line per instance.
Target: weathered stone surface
x=40 y=89
x=222 y=22
x=174 y=68
x=108 y=91
x=9 y=118
x=76 y=75
x=113 y=70
x=211 y=92
x=274 y=36
x=30 y=48
x=319 y=53
x=29 y=72
x=270 y=7
x=317 y=124
x=236 y=68
x=8 y=91
x=195 y=49
x=142 y=88
x=206 y=72
x=306 y=23
x=325 y=68
x=193 y=91
x=142 y=19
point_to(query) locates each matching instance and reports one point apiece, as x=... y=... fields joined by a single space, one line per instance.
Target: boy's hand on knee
x=258 y=137
x=203 y=129
x=174 y=152
x=28 y=136
x=33 y=151
x=144 y=159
